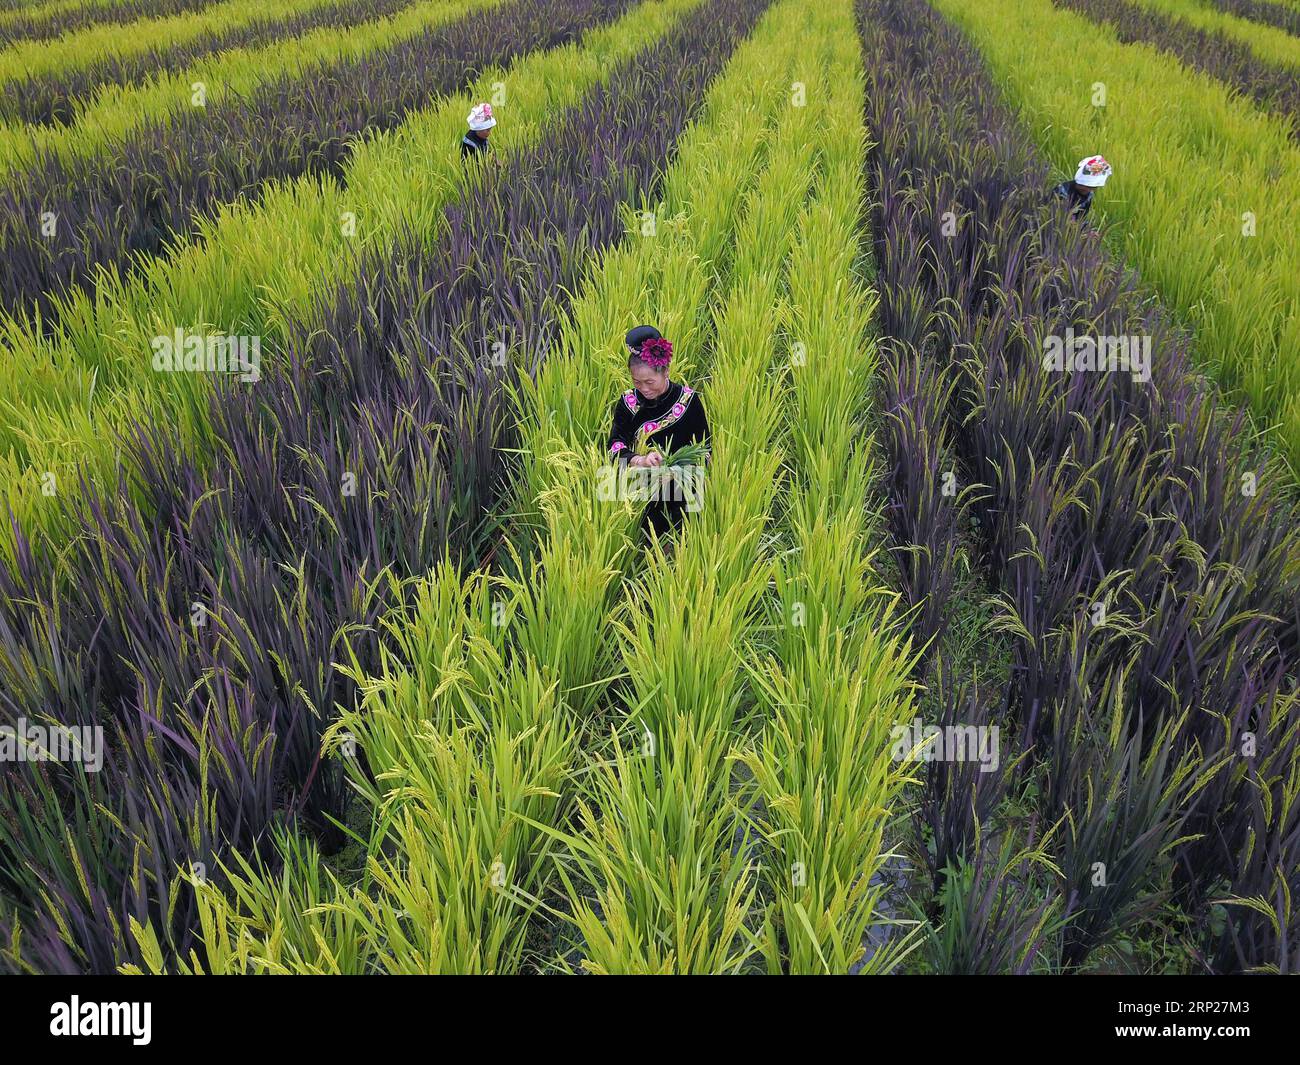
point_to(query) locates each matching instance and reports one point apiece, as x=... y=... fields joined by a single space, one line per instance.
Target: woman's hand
x=652 y=459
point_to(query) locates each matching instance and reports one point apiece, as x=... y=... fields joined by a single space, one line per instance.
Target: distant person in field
x=480 y=123
x=1092 y=174
x=655 y=418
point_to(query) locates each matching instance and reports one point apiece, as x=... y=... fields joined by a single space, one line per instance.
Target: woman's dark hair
x=638 y=336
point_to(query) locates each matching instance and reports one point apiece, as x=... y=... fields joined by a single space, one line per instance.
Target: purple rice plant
x=1265 y=12
x=998 y=912
x=1125 y=812
x=1230 y=61
x=37 y=26
x=959 y=795
x=54 y=97
x=1144 y=551
x=1261 y=936
x=1264 y=826
x=927 y=509
x=136 y=198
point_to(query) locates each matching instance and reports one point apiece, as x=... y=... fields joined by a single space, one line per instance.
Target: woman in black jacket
x=480 y=121
x=653 y=419
x=1091 y=175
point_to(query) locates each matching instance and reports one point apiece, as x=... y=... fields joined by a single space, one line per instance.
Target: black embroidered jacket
x=472 y=145
x=1079 y=201
x=668 y=422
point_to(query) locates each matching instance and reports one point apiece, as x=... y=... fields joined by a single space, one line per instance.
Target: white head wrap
x=1093 y=172
x=481 y=117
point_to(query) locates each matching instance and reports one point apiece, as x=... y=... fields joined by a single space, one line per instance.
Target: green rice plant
x=667 y=895
x=256 y=921
x=836 y=679
x=65 y=399
x=667 y=906
x=683 y=468
x=42 y=96
x=1221 y=253
x=465 y=754
x=582 y=651
x=1268 y=42
x=673 y=820
x=687 y=455
x=43 y=8
x=581 y=545
x=25 y=59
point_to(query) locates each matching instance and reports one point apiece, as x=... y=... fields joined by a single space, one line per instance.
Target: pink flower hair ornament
x=656 y=352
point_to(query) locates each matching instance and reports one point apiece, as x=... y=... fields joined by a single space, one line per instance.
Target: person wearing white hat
x=480 y=122
x=1092 y=174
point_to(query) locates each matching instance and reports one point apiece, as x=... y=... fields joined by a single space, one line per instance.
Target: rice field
x=336 y=636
